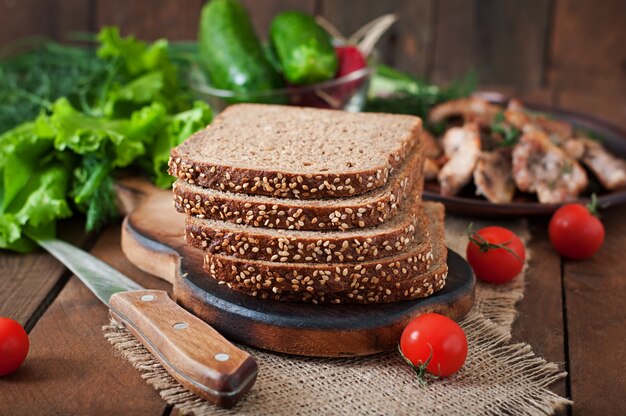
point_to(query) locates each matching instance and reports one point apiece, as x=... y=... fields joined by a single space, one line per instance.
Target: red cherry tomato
x=350 y=59
x=575 y=232
x=496 y=254
x=438 y=338
x=13 y=346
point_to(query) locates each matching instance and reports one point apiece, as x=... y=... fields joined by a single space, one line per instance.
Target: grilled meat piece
x=558 y=130
x=542 y=167
x=432 y=149
x=516 y=115
x=462 y=147
x=431 y=169
x=472 y=109
x=493 y=176
x=610 y=170
x=575 y=148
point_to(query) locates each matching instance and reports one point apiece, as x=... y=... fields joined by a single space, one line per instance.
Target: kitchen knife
x=189 y=349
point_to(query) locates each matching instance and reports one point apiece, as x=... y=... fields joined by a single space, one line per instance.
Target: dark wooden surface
x=71 y=368
x=154 y=231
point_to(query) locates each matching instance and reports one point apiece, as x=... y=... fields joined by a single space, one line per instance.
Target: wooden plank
x=595 y=290
x=407 y=45
x=540 y=312
x=609 y=107
x=72 y=16
x=24 y=18
x=49 y=18
x=503 y=40
x=588 y=52
x=587 y=64
x=262 y=12
x=152 y=19
x=29 y=280
x=71 y=368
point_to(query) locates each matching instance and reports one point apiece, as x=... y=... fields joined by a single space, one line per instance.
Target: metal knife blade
x=189 y=349
x=102 y=279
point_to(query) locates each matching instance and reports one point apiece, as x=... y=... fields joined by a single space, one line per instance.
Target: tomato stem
x=593 y=205
x=484 y=245
x=419 y=370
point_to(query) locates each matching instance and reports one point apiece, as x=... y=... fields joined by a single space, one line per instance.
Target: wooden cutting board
x=152 y=238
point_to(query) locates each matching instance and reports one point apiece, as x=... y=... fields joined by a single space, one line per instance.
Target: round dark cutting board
x=152 y=238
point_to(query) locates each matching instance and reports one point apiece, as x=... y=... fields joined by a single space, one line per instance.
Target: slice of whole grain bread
x=294 y=152
x=341 y=214
x=422 y=286
x=292 y=246
x=408 y=275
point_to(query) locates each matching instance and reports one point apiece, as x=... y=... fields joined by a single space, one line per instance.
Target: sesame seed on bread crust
x=389 y=238
x=423 y=286
x=293 y=152
x=340 y=214
x=408 y=275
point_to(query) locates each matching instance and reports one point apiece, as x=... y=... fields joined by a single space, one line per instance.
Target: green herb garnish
x=392 y=91
x=581 y=132
x=510 y=134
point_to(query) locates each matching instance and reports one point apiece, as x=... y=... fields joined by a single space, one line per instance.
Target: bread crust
x=320 y=278
x=341 y=214
x=421 y=287
x=216 y=237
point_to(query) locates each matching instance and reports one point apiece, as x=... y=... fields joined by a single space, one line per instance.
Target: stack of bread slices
x=308 y=205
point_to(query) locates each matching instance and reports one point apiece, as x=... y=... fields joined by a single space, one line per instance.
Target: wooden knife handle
x=190 y=350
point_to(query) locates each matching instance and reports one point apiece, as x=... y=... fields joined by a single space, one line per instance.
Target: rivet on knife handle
x=190 y=350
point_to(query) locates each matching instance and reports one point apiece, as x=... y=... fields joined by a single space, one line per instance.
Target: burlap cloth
x=499 y=376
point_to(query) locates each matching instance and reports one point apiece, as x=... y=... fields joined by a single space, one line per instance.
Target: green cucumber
x=304 y=48
x=231 y=52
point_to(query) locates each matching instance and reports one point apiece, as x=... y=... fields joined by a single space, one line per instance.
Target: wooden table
x=573 y=313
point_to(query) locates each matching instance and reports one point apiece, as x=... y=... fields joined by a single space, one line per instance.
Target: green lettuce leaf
x=144 y=89
x=11 y=233
x=20 y=149
x=139 y=59
x=119 y=140
x=41 y=202
x=46 y=202
x=66 y=159
x=179 y=127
